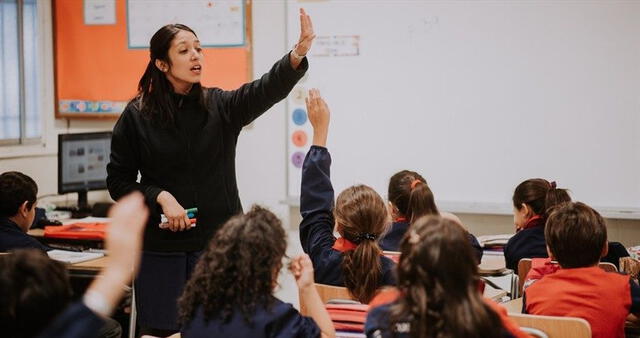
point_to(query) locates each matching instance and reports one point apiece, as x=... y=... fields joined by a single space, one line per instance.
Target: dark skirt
x=159 y=284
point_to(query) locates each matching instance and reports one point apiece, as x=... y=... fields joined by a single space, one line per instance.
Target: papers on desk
x=494 y=240
x=73 y=257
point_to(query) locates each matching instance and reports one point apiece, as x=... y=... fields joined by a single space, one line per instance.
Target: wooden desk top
x=514 y=305
x=491 y=264
x=92 y=265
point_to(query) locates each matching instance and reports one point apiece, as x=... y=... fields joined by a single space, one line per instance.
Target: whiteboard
x=223 y=21
x=477 y=96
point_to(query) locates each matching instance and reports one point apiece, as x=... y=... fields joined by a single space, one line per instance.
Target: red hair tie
x=414 y=183
x=553 y=185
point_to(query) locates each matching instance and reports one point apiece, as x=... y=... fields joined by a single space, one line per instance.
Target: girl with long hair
x=360 y=217
x=410 y=198
x=533 y=200
x=437 y=293
x=231 y=290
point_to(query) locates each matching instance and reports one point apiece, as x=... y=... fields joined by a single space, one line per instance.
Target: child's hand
x=302 y=270
x=124 y=235
x=319 y=116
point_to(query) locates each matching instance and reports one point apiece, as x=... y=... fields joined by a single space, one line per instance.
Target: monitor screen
x=82 y=161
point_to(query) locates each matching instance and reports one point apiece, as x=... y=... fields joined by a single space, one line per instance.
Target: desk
x=491 y=264
x=514 y=305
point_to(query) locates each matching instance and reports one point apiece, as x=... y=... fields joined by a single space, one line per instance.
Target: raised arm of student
x=302 y=269
x=316 y=195
x=123 y=243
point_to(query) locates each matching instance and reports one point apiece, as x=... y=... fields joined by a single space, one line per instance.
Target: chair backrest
x=555 y=327
x=608 y=267
x=524 y=265
x=327 y=293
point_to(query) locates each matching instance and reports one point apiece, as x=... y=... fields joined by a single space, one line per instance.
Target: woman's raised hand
x=306 y=34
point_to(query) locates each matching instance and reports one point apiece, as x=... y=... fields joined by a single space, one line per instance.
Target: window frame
x=22 y=100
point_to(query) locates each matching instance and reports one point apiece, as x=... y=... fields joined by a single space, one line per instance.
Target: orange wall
x=94 y=62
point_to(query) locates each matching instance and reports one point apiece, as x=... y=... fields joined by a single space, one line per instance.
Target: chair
x=327 y=293
x=554 y=327
x=524 y=265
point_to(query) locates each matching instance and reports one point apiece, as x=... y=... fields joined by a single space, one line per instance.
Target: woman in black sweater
x=182 y=137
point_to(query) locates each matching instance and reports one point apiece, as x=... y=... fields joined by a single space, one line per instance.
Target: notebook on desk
x=73 y=257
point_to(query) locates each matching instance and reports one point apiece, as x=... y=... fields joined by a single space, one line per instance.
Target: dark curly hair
x=15 y=189
x=238 y=270
x=438 y=276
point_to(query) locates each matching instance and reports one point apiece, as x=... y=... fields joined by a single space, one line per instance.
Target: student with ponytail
x=360 y=216
x=533 y=200
x=437 y=294
x=410 y=198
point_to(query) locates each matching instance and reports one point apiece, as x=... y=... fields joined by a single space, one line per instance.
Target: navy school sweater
x=316 y=228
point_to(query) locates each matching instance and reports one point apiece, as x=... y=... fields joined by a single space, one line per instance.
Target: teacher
x=181 y=138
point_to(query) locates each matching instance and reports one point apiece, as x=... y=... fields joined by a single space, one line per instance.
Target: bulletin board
x=97 y=69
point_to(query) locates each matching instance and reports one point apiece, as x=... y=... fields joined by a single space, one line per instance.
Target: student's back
x=278 y=320
x=602 y=298
x=577 y=238
x=533 y=199
x=230 y=292
x=410 y=198
x=360 y=217
x=17 y=211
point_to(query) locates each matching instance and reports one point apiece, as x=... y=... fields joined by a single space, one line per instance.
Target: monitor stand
x=83 y=210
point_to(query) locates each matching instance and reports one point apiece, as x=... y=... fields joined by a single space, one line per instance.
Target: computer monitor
x=82 y=164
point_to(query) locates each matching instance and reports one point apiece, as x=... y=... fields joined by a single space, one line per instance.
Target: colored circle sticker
x=299 y=116
x=299 y=138
x=297 y=159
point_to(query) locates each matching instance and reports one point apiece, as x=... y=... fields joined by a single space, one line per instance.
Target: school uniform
x=604 y=299
x=392 y=239
x=278 y=320
x=377 y=325
x=316 y=228
x=526 y=243
x=12 y=237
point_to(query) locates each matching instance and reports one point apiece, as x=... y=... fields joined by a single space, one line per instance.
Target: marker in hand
x=191 y=213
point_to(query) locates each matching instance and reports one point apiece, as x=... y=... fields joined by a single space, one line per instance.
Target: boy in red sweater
x=576 y=237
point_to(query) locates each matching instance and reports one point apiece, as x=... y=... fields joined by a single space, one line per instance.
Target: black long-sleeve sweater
x=195 y=160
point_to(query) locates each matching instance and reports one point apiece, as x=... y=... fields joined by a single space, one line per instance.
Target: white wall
x=261 y=150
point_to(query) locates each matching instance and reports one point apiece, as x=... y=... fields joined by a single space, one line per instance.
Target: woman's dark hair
x=576 y=235
x=154 y=98
x=540 y=195
x=15 y=189
x=409 y=192
x=438 y=278
x=238 y=270
x=361 y=218
x=33 y=290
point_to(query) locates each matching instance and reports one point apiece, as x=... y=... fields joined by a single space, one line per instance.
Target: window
x=20 y=120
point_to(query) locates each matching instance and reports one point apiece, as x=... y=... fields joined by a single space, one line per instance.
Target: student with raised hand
x=410 y=198
x=18 y=193
x=35 y=290
x=533 y=199
x=231 y=291
x=360 y=217
x=576 y=237
x=437 y=294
